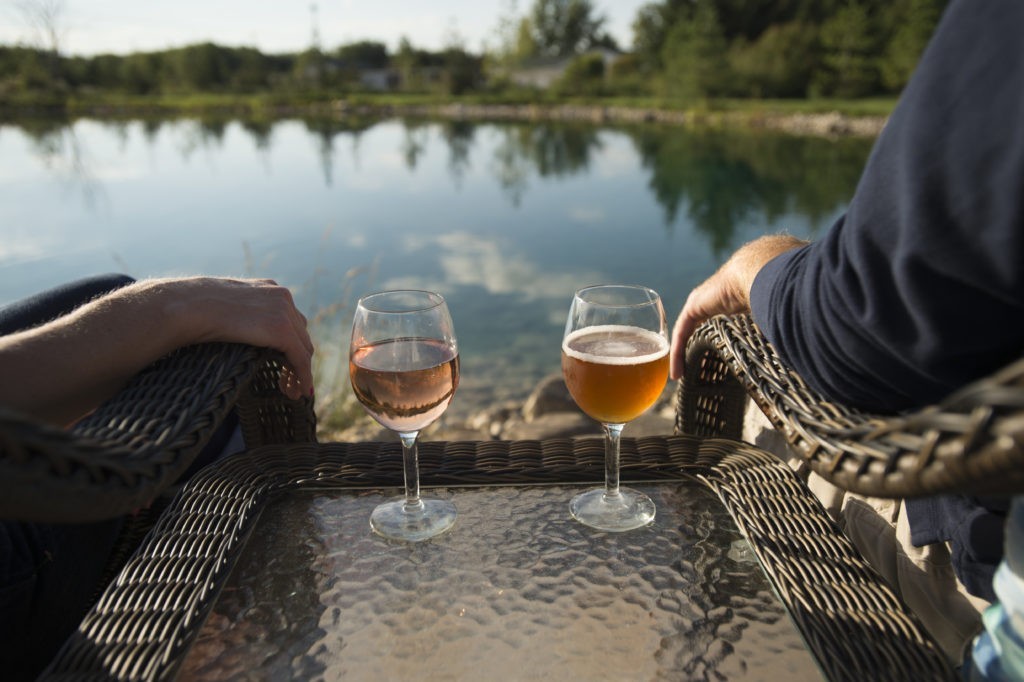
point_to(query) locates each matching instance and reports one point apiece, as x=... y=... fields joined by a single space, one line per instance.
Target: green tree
x=462 y=71
x=250 y=70
x=199 y=67
x=309 y=68
x=584 y=75
x=651 y=27
x=366 y=54
x=561 y=28
x=849 y=48
x=45 y=18
x=139 y=73
x=513 y=38
x=778 y=64
x=694 y=55
x=914 y=22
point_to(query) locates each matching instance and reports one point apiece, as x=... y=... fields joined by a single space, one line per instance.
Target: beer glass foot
x=626 y=510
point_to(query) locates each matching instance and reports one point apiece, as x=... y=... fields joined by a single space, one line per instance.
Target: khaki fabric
x=923 y=577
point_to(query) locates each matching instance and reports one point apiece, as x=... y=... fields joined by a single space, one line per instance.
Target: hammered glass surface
x=517 y=590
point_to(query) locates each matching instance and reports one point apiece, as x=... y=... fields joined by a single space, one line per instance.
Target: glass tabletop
x=517 y=590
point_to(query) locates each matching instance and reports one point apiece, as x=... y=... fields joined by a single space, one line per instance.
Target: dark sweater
x=919 y=287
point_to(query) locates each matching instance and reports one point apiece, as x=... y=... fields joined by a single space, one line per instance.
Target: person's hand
x=726 y=292
x=62 y=370
x=258 y=312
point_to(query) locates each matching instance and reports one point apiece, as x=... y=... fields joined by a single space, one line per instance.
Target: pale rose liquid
x=614 y=372
x=405 y=384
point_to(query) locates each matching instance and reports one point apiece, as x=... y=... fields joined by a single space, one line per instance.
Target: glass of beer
x=615 y=364
x=404 y=367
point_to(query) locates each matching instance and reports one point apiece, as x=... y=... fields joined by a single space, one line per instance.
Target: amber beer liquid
x=614 y=372
x=405 y=384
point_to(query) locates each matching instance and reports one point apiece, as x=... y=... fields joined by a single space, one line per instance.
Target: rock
x=550 y=396
x=554 y=425
x=491 y=420
x=650 y=423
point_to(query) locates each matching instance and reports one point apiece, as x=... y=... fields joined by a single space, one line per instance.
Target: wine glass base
x=398 y=521
x=628 y=510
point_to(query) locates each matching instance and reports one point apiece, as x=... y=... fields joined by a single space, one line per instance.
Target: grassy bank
x=270 y=106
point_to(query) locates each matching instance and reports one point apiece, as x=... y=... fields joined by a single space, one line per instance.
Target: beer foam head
x=615 y=345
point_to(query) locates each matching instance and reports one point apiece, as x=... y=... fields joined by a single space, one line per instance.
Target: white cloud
x=24 y=248
x=586 y=215
x=471 y=260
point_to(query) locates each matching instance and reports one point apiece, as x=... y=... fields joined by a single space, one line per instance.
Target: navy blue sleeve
x=919 y=287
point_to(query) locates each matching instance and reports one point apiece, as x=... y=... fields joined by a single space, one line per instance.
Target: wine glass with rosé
x=404 y=367
x=615 y=364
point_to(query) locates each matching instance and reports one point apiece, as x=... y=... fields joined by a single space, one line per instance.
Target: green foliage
x=585 y=75
x=782 y=48
x=560 y=28
x=23 y=69
x=849 y=49
x=365 y=54
x=627 y=76
x=651 y=27
x=914 y=22
x=684 y=51
x=694 y=57
x=462 y=71
x=778 y=64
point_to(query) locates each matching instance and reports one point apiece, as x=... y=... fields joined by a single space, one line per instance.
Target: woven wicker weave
x=973 y=441
x=144 y=623
x=138 y=443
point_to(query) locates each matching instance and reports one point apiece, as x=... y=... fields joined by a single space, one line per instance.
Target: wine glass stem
x=411 y=470
x=612 y=434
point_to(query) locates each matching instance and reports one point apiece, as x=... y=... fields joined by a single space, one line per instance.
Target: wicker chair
x=122 y=456
x=124 y=459
x=973 y=441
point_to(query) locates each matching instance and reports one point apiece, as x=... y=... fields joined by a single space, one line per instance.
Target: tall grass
x=329 y=304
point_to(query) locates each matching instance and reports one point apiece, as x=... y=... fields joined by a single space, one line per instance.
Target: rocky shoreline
x=548 y=412
x=831 y=124
x=828 y=124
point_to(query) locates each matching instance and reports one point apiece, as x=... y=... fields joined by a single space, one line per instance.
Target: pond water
x=506 y=220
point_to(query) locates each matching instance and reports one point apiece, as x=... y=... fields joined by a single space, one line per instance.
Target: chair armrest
x=973 y=441
x=138 y=443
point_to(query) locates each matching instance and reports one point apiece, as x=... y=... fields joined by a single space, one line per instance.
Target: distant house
x=542 y=72
x=379 y=79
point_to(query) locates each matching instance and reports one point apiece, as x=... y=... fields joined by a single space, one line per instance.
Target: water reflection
x=59 y=148
x=504 y=219
x=724 y=180
x=459 y=136
x=324 y=132
x=718 y=180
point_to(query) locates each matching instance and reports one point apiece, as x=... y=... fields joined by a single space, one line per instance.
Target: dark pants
x=49 y=573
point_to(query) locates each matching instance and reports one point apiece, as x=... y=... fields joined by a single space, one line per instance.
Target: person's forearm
x=725 y=292
x=60 y=371
x=748 y=260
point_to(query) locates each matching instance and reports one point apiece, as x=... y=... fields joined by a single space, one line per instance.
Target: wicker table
x=703 y=593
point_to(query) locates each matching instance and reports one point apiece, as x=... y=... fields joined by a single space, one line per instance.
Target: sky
x=274 y=26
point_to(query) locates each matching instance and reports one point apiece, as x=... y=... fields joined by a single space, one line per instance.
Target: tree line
x=682 y=50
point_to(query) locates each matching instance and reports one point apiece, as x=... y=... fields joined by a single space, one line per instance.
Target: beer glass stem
x=411 y=471
x=612 y=435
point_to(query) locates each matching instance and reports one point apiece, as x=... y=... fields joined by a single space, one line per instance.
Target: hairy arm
x=60 y=371
x=725 y=292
